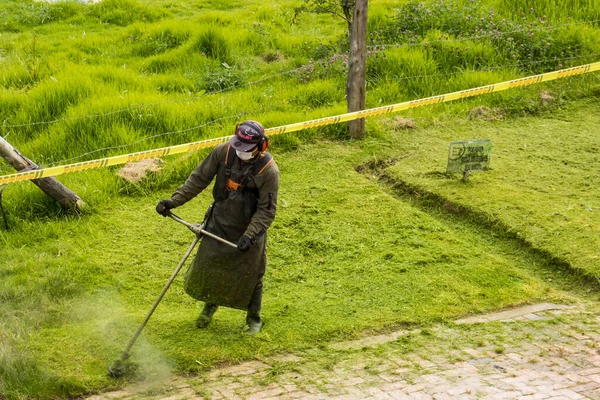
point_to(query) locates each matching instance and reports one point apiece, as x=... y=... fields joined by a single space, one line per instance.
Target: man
x=245 y=201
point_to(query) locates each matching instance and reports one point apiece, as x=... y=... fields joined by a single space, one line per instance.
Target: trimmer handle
x=198 y=229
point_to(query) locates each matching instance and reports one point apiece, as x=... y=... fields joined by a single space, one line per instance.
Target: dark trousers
x=256 y=300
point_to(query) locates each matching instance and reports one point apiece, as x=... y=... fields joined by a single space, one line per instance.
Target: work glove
x=164 y=206
x=244 y=243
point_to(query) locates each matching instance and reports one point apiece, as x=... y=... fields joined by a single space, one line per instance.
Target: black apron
x=221 y=274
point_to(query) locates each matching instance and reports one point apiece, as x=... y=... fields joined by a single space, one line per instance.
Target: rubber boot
x=253 y=325
x=206 y=315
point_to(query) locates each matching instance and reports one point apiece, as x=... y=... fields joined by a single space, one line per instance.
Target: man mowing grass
x=245 y=201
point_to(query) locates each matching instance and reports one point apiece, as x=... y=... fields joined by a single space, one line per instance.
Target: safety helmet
x=248 y=135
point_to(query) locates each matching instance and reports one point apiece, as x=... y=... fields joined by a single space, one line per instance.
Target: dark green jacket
x=267 y=183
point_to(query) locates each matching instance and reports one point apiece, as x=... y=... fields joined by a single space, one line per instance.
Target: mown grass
x=345 y=257
x=541 y=183
x=346 y=254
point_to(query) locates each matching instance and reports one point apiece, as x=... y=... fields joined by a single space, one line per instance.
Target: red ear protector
x=263 y=145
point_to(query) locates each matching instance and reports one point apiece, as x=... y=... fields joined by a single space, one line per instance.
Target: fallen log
x=52 y=187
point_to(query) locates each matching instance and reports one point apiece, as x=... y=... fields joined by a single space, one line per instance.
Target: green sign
x=465 y=157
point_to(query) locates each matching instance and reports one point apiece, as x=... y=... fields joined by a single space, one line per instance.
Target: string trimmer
x=122 y=366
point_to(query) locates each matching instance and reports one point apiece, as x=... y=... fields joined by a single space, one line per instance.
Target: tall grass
x=20 y=15
x=144 y=43
x=125 y=12
x=318 y=94
x=564 y=10
x=528 y=37
x=171 y=58
x=406 y=65
x=213 y=44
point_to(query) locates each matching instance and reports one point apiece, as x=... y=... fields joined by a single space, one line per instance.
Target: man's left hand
x=244 y=243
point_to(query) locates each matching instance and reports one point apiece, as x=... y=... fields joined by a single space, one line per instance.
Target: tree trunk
x=53 y=188
x=356 y=85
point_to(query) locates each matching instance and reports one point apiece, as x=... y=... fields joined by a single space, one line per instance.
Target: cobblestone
x=555 y=360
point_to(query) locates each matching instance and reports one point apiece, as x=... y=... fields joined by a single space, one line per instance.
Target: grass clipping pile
x=136 y=171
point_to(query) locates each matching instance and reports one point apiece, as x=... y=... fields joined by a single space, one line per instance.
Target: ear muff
x=263 y=145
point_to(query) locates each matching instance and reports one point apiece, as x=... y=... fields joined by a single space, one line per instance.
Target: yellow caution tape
x=184 y=148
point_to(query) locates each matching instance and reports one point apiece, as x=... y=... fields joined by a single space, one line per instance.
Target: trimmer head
x=122 y=367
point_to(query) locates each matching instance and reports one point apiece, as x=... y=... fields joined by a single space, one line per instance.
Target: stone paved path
x=535 y=352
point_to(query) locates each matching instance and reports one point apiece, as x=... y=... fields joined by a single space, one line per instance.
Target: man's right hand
x=244 y=243
x=164 y=206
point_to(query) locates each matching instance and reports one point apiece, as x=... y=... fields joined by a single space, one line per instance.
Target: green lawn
x=370 y=235
x=543 y=181
x=346 y=257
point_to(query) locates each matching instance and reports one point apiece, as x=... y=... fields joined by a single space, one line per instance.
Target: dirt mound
x=398 y=123
x=487 y=113
x=136 y=171
x=546 y=98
